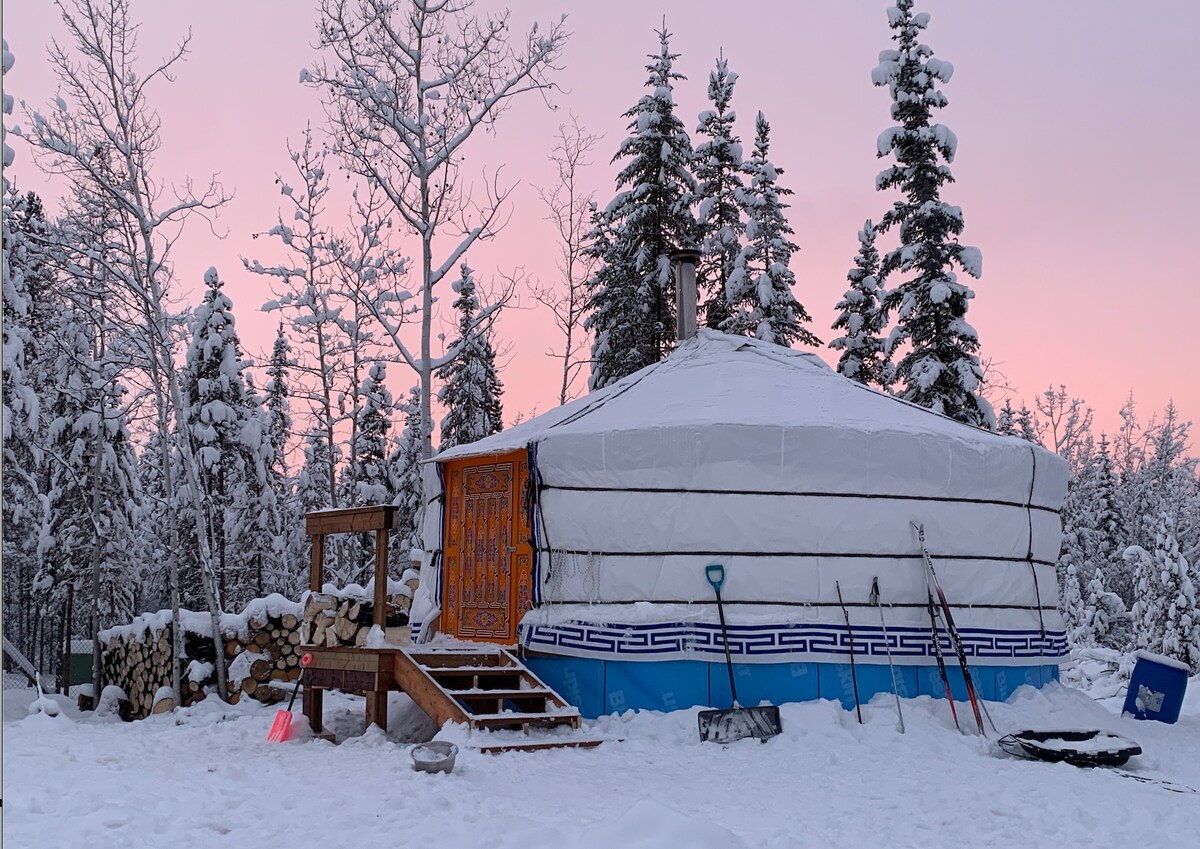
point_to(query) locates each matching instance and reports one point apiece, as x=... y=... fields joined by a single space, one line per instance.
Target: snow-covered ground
x=206 y=776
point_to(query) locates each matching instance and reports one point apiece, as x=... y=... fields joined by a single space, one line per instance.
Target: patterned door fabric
x=488 y=561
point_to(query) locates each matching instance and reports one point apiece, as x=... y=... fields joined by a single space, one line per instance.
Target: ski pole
x=887 y=644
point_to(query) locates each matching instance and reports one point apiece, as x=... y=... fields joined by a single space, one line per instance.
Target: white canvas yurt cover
x=764 y=460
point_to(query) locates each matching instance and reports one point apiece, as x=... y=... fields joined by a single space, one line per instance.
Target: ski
x=952 y=630
x=1154 y=782
x=937 y=652
x=850 y=635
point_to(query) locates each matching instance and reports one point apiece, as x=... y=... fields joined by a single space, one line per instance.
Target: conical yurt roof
x=731 y=413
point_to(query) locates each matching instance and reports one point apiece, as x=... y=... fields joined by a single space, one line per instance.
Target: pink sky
x=1075 y=164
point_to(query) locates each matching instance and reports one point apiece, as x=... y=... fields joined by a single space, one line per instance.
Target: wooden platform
x=485 y=688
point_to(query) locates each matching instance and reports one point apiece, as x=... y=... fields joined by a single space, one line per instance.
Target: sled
x=1078 y=748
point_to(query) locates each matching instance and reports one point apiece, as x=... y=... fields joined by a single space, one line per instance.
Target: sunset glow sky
x=1077 y=127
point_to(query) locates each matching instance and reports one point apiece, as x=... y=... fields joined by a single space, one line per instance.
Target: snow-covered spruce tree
x=632 y=296
x=7 y=154
x=91 y=498
x=218 y=416
x=1006 y=420
x=109 y=92
x=718 y=168
x=278 y=409
x=471 y=388
x=287 y=519
x=368 y=468
x=759 y=291
x=1165 y=616
x=313 y=490
x=1104 y=619
x=940 y=369
x=861 y=317
x=26 y=281
x=374 y=420
x=1025 y=426
x=256 y=541
x=406 y=480
x=1110 y=529
x=1071 y=604
x=152 y=543
x=407 y=84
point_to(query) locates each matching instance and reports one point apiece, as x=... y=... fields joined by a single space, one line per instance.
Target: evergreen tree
x=1109 y=525
x=1071 y=604
x=278 y=407
x=861 y=317
x=313 y=482
x=940 y=369
x=313 y=491
x=1165 y=615
x=91 y=494
x=718 y=168
x=406 y=476
x=152 y=547
x=218 y=410
x=632 y=297
x=22 y=438
x=1025 y=426
x=471 y=388
x=759 y=291
x=287 y=534
x=369 y=468
x=1006 y=420
x=256 y=509
x=374 y=420
x=1104 y=614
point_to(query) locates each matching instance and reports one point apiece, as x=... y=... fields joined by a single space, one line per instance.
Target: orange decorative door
x=488 y=574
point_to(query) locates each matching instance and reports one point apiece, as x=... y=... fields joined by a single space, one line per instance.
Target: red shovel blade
x=281 y=728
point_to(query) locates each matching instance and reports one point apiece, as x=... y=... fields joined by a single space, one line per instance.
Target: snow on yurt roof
x=731 y=413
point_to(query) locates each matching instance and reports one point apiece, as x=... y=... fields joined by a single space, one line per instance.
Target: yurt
x=582 y=536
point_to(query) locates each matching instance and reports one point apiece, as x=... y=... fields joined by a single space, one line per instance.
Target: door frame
x=520 y=582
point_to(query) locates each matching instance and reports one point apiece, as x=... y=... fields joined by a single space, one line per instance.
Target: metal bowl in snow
x=435 y=756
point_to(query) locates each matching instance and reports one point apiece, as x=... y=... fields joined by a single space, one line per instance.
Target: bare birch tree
x=407 y=84
x=569 y=207
x=103 y=136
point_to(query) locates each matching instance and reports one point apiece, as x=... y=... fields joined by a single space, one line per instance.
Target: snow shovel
x=281 y=728
x=726 y=726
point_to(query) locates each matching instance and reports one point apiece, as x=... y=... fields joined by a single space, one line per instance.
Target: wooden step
x=474 y=687
x=435 y=659
x=492 y=701
x=500 y=678
x=520 y=720
x=497 y=748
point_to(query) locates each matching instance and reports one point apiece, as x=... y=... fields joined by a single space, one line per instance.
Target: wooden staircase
x=487 y=688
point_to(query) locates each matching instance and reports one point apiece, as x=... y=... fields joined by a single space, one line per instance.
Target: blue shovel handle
x=716 y=575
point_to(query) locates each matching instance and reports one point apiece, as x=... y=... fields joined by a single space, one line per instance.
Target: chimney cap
x=685 y=253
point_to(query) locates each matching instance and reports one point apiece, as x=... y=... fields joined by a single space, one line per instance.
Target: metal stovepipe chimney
x=686 y=296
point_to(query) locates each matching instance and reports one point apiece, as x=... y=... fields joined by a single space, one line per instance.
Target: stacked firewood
x=263 y=646
x=269 y=654
x=333 y=621
x=140 y=664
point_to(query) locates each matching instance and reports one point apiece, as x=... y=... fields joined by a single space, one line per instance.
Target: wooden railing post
x=381 y=577
x=318 y=563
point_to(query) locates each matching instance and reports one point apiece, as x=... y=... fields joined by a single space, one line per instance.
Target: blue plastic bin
x=1156 y=688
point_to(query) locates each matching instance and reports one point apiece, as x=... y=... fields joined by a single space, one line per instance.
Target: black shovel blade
x=726 y=726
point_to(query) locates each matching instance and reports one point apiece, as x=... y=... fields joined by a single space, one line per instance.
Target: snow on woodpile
x=261 y=646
